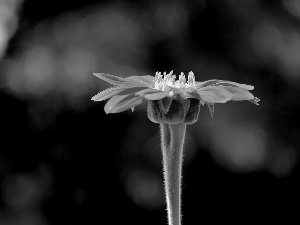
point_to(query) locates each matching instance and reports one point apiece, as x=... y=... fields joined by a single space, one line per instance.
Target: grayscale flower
x=132 y=91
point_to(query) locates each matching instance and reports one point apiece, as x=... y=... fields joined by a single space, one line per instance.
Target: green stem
x=172 y=138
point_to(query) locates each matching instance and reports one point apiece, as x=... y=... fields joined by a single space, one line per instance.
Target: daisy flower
x=164 y=94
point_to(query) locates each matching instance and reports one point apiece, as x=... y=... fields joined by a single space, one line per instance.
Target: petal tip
x=255 y=100
x=94 y=98
x=211 y=109
x=108 y=109
x=99 y=75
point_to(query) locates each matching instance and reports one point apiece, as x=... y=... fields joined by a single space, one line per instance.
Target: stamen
x=159 y=77
x=191 y=79
x=164 y=81
x=173 y=79
x=182 y=79
x=156 y=76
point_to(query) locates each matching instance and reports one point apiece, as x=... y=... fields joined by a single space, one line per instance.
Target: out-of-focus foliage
x=49 y=122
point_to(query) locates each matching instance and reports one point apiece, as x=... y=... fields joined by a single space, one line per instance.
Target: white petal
x=119 y=81
x=121 y=103
x=146 y=79
x=128 y=104
x=148 y=91
x=223 y=82
x=214 y=94
x=156 y=96
x=107 y=93
x=239 y=94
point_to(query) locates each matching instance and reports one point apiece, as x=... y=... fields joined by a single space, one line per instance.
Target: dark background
x=64 y=161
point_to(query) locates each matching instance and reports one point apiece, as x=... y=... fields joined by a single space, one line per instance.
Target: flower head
x=132 y=91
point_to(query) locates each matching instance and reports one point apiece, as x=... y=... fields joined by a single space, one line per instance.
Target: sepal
x=174 y=110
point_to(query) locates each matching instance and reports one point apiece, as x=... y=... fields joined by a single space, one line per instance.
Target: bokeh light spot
x=145 y=189
x=240 y=148
x=39 y=68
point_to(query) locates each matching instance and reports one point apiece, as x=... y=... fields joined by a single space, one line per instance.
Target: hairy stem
x=172 y=138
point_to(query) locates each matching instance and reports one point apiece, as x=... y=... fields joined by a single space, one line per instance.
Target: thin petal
x=110 y=92
x=112 y=102
x=148 y=91
x=156 y=96
x=119 y=81
x=121 y=103
x=147 y=79
x=214 y=94
x=224 y=83
x=128 y=104
x=128 y=91
x=107 y=93
x=239 y=94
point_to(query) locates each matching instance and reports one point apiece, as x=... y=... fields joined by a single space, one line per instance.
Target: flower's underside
x=132 y=91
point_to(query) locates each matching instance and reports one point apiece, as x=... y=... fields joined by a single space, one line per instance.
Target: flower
x=132 y=91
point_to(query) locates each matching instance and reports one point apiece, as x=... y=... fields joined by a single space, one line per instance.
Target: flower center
x=165 y=81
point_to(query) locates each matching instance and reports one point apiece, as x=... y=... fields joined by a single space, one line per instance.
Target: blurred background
x=64 y=161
